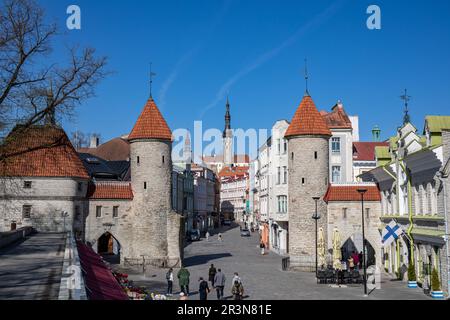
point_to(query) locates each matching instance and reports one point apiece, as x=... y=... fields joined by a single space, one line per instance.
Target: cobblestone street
x=262 y=276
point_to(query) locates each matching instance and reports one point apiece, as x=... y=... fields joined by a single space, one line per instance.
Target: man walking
x=262 y=246
x=169 y=278
x=212 y=273
x=183 y=278
x=203 y=289
x=219 y=281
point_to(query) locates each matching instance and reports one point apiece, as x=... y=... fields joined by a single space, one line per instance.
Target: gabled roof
x=151 y=124
x=307 y=121
x=337 y=118
x=117 y=149
x=365 y=151
x=40 y=151
x=110 y=191
x=350 y=193
x=437 y=123
x=233 y=172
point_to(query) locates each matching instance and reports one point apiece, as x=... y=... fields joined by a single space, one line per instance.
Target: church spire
x=227 y=117
x=306 y=77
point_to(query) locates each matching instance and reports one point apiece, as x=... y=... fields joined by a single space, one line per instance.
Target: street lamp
x=362 y=192
x=316 y=216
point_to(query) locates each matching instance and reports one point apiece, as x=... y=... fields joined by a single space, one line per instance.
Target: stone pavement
x=31 y=269
x=262 y=276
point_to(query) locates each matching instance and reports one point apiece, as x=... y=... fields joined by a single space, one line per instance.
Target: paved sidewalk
x=262 y=275
x=31 y=270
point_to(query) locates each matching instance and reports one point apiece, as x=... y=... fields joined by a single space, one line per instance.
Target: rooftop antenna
x=405 y=97
x=152 y=74
x=306 y=77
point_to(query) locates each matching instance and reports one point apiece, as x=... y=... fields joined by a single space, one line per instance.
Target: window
x=163 y=159
x=336 y=174
x=303 y=181
x=26 y=212
x=115 y=211
x=98 y=211
x=344 y=213
x=27 y=184
x=336 y=145
x=138 y=160
x=80 y=186
x=282 y=204
x=315 y=155
x=145 y=185
x=285 y=146
x=285 y=173
x=367 y=213
x=278 y=146
x=278 y=175
x=292 y=156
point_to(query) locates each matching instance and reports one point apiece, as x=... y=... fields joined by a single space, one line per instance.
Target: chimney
x=95 y=142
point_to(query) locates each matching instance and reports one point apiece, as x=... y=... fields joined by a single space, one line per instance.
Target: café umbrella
x=337 y=249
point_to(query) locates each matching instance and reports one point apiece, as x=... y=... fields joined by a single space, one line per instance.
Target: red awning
x=99 y=280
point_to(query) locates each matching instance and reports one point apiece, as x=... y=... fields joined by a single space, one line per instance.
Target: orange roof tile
x=307 y=120
x=40 y=151
x=235 y=171
x=350 y=193
x=110 y=190
x=150 y=124
x=337 y=118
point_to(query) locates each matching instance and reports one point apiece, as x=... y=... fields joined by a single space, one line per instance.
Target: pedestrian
x=238 y=290
x=183 y=296
x=360 y=257
x=351 y=264
x=203 y=289
x=212 y=273
x=355 y=257
x=262 y=246
x=169 y=278
x=219 y=281
x=207 y=235
x=183 y=278
x=236 y=278
x=220 y=237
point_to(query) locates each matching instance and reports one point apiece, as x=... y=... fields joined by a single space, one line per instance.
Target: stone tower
x=228 y=139
x=308 y=144
x=156 y=227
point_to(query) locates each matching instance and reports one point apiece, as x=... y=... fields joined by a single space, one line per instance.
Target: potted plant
x=436 y=292
x=412 y=279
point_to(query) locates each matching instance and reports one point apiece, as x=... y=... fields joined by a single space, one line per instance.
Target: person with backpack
x=169 y=278
x=237 y=290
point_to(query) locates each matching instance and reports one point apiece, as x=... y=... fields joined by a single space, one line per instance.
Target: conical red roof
x=151 y=124
x=307 y=121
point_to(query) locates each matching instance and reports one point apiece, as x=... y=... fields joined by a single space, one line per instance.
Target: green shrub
x=412 y=272
x=435 y=283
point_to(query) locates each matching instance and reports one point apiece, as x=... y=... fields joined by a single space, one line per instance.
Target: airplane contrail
x=266 y=56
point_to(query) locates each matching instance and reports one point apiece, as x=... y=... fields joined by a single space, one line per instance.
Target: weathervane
x=306 y=76
x=152 y=74
x=405 y=97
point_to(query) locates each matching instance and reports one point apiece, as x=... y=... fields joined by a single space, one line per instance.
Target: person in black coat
x=203 y=289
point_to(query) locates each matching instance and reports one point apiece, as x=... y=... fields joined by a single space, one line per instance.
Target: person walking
x=212 y=273
x=219 y=282
x=203 y=289
x=360 y=258
x=183 y=278
x=236 y=278
x=220 y=237
x=355 y=257
x=262 y=246
x=207 y=235
x=169 y=278
x=237 y=290
x=351 y=264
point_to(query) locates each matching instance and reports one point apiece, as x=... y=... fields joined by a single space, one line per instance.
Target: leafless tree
x=79 y=139
x=32 y=89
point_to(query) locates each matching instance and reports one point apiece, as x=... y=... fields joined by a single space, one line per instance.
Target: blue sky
x=255 y=50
